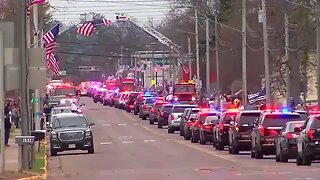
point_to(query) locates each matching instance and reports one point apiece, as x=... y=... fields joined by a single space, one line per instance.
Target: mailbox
x=24 y=140
x=38 y=134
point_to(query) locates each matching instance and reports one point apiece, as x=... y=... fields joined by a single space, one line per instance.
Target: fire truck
x=111 y=85
x=184 y=92
x=127 y=84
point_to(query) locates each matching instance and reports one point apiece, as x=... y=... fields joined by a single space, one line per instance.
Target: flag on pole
x=51 y=36
x=33 y=2
x=185 y=69
x=50 y=48
x=54 y=63
x=86 y=29
x=106 y=22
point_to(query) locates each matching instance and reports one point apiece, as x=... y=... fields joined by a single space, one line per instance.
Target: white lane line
x=106 y=125
x=127 y=142
x=125 y=137
x=149 y=140
x=105 y=143
x=122 y=124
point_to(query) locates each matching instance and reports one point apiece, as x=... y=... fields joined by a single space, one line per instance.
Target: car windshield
x=180 y=109
x=292 y=126
x=212 y=119
x=315 y=123
x=65 y=91
x=228 y=117
x=74 y=121
x=59 y=111
x=182 y=89
x=167 y=109
x=248 y=118
x=279 y=120
x=193 y=116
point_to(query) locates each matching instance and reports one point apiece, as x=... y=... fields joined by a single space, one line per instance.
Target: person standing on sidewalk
x=7 y=124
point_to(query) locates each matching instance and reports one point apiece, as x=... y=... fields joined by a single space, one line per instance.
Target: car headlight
x=88 y=133
x=62 y=101
x=193 y=99
x=54 y=135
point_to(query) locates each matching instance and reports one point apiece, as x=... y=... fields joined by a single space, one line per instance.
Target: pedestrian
x=7 y=127
x=46 y=99
x=74 y=107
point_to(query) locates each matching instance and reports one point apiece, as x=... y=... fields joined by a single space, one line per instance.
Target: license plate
x=246 y=136
x=71 y=146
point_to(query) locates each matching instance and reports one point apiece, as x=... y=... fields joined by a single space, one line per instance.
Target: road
x=127 y=147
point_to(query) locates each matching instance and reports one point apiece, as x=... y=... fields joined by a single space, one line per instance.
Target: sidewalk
x=11 y=152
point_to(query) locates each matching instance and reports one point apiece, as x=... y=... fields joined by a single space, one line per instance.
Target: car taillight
x=144 y=107
x=290 y=136
x=198 y=124
x=311 y=133
x=273 y=132
x=161 y=114
x=237 y=128
x=207 y=127
x=261 y=129
x=221 y=127
x=172 y=118
x=152 y=110
x=189 y=123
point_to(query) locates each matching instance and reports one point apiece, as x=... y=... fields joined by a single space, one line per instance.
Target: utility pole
x=163 y=68
x=37 y=93
x=318 y=49
x=216 y=35
x=135 y=66
x=2 y=90
x=189 y=60
x=121 y=55
x=266 y=52
x=244 y=54
x=207 y=55
x=25 y=131
x=286 y=49
x=197 y=43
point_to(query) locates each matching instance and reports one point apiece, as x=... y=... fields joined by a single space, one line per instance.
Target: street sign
x=153 y=82
x=35 y=100
x=62 y=73
x=24 y=140
x=161 y=61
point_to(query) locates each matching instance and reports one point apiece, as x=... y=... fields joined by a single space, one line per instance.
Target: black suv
x=309 y=141
x=266 y=130
x=286 y=143
x=163 y=116
x=70 y=131
x=240 y=131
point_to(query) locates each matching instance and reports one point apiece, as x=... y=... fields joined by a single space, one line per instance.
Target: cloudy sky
x=68 y=11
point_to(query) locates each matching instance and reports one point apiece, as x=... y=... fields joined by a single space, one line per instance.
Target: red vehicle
x=111 y=85
x=127 y=84
x=184 y=92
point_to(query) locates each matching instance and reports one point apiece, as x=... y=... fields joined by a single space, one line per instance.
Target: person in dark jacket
x=7 y=124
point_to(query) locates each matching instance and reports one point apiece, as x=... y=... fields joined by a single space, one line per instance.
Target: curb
x=44 y=175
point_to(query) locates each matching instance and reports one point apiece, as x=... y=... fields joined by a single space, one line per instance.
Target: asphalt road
x=127 y=147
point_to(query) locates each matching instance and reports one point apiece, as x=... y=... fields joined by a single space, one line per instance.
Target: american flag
x=106 y=22
x=33 y=2
x=86 y=29
x=50 y=36
x=54 y=64
x=50 y=48
x=185 y=68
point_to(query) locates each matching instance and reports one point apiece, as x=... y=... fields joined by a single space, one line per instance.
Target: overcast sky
x=68 y=11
